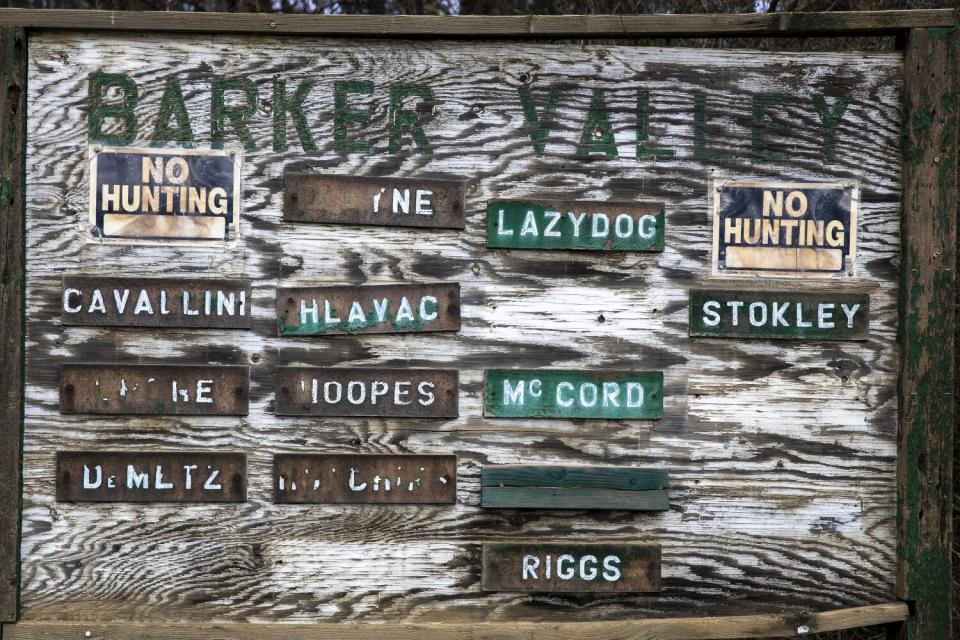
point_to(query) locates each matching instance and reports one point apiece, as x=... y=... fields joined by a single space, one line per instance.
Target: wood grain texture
x=528 y=26
x=13 y=78
x=704 y=628
x=781 y=457
x=927 y=322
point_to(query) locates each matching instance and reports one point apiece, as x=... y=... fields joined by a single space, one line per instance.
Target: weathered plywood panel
x=781 y=455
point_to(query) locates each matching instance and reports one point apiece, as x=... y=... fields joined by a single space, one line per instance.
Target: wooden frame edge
x=709 y=628
x=13 y=76
x=523 y=26
x=927 y=298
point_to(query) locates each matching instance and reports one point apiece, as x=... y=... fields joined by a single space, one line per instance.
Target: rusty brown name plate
x=571 y=567
x=387 y=393
x=365 y=479
x=388 y=202
x=124 y=389
x=156 y=302
x=168 y=476
x=391 y=308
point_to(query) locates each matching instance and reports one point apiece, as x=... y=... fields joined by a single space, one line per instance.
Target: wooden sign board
x=396 y=393
x=573 y=487
x=154 y=389
x=146 y=194
x=804 y=315
x=556 y=393
x=597 y=226
x=155 y=302
x=161 y=476
x=391 y=308
x=571 y=567
x=385 y=202
x=785 y=229
x=364 y=479
x=751 y=425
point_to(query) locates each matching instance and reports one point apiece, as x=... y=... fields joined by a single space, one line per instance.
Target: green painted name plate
x=557 y=393
x=573 y=487
x=779 y=314
x=391 y=308
x=555 y=224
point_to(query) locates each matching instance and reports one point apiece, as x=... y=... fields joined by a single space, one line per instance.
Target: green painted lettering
x=644 y=148
x=700 y=119
x=401 y=118
x=344 y=116
x=293 y=106
x=829 y=118
x=238 y=115
x=539 y=126
x=597 y=136
x=761 y=123
x=172 y=105
x=123 y=111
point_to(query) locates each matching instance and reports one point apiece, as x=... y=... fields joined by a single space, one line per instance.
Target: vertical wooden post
x=927 y=320
x=13 y=85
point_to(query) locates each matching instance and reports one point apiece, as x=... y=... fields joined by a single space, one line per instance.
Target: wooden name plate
x=365 y=479
x=573 y=487
x=392 y=308
x=169 y=476
x=148 y=389
x=779 y=314
x=597 y=226
x=556 y=393
x=156 y=302
x=559 y=567
x=393 y=393
x=387 y=202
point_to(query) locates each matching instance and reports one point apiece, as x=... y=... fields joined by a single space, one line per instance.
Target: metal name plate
x=154 y=389
x=156 y=302
x=558 y=567
x=785 y=229
x=573 y=487
x=779 y=314
x=555 y=224
x=386 y=202
x=557 y=393
x=168 y=476
x=364 y=479
x=387 y=393
x=141 y=194
x=392 y=308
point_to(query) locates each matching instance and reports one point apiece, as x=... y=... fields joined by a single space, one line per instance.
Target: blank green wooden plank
x=572 y=476
x=589 y=499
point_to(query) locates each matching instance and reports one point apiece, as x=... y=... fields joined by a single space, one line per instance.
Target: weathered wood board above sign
x=154 y=389
x=560 y=567
x=388 y=202
x=779 y=314
x=610 y=395
x=398 y=393
x=574 y=487
x=600 y=226
x=782 y=450
x=168 y=476
x=369 y=309
x=156 y=302
x=365 y=479
x=139 y=194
